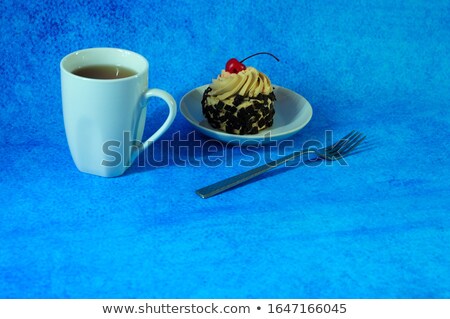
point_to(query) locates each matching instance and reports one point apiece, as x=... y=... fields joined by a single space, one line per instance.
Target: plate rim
x=247 y=137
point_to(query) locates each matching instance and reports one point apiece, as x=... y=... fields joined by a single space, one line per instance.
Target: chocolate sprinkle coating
x=234 y=119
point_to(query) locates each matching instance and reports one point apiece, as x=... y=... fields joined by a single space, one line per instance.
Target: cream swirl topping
x=249 y=82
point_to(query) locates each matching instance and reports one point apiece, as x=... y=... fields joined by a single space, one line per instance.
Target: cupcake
x=240 y=100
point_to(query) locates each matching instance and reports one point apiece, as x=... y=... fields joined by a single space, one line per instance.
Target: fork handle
x=225 y=184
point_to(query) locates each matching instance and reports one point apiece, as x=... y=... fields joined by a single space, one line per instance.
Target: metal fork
x=333 y=152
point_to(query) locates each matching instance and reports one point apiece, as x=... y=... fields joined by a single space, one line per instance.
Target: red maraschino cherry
x=235 y=66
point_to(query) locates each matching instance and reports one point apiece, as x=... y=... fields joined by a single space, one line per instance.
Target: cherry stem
x=259 y=54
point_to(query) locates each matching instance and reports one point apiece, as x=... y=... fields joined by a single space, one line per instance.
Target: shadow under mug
x=102 y=117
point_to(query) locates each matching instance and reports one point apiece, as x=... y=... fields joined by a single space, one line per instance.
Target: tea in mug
x=104 y=72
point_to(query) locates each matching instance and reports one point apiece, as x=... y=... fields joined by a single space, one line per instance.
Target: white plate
x=292 y=113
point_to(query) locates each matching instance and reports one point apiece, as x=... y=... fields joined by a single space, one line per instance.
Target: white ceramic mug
x=104 y=119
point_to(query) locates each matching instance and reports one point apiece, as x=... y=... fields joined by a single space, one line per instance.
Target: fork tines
x=345 y=145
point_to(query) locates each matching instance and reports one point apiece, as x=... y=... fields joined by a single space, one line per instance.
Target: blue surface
x=376 y=228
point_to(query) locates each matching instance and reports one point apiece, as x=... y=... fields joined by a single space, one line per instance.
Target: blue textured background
x=379 y=227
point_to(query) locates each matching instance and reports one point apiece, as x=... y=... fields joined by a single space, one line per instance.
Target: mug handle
x=172 y=113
